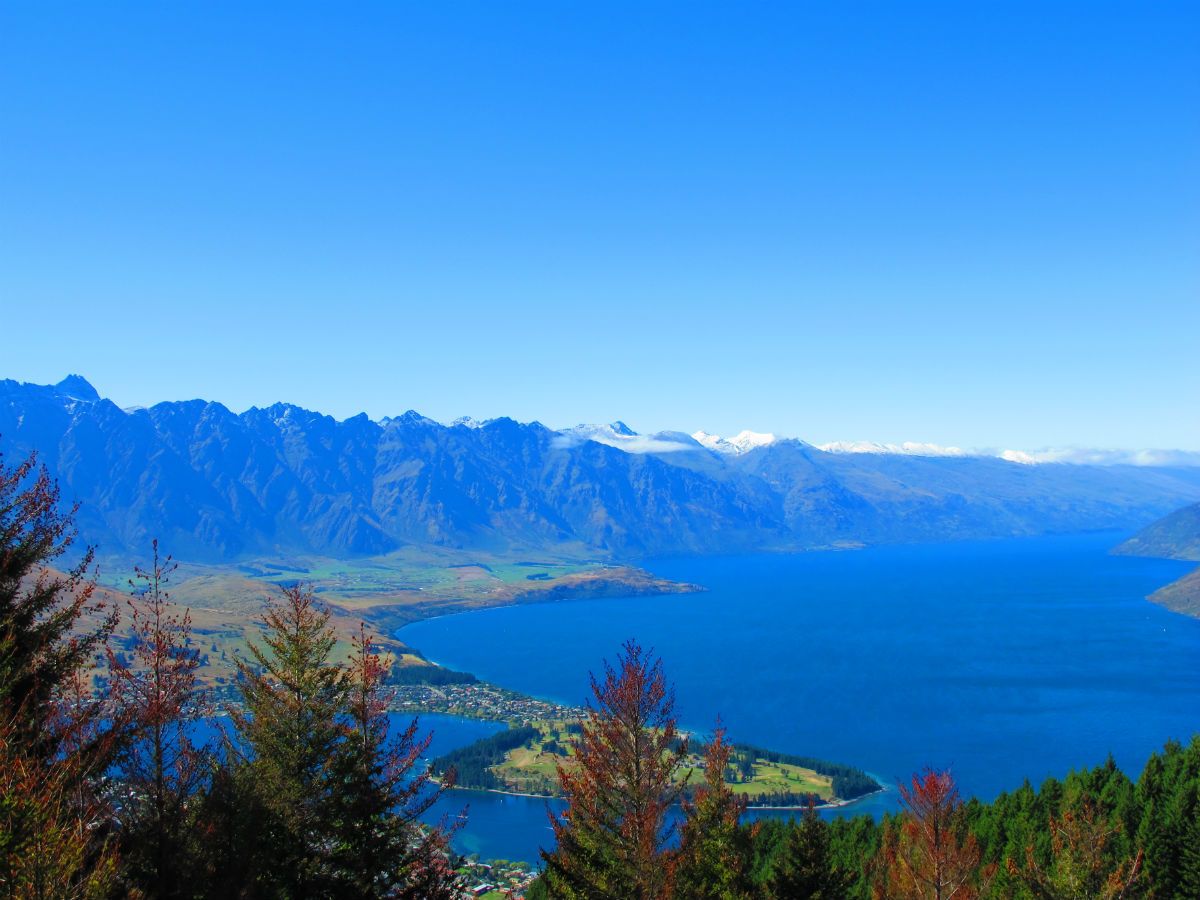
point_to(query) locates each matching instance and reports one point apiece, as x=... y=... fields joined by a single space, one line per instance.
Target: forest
x=106 y=791
x=471 y=764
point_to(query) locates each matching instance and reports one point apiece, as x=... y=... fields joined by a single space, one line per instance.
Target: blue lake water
x=1001 y=660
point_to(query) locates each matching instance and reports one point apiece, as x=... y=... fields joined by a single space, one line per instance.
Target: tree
x=380 y=849
x=806 y=870
x=715 y=851
x=56 y=737
x=51 y=623
x=48 y=847
x=158 y=695
x=1080 y=868
x=1169 y=795
x=614 y=836
x=930 y=855
x=287 y=736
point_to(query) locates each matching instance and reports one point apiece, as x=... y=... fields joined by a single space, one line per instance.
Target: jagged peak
x=412 y=417
x=77 y=388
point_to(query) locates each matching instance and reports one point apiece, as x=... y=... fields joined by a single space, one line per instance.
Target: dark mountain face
x=216 y=486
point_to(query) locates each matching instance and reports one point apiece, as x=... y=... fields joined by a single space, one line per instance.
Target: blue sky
x=965 y=223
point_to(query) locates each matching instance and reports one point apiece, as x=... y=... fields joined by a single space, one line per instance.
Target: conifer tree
x=715 y=849
x=1168 y=793
x=614 y=836
x=52 y=625
x=1080 y=868
x=287 y=736
x=56 y=737
x=48 y=847
x=806 y=870
x=158 y=695
x=379 y=793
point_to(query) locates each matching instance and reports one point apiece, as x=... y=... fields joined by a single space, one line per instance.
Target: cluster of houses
x=497 y=879
x=479 y=701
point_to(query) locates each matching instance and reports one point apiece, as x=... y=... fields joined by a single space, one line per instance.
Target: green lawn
x=530 y=768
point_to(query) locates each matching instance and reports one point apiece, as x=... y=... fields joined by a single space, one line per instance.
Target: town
x=479 y=700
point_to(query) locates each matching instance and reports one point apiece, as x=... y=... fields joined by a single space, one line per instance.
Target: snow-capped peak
x=743 y=442
x=711 y=441
x=748 y=440
x=467 y=422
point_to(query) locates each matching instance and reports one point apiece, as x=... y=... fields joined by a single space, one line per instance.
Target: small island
x=523 y=760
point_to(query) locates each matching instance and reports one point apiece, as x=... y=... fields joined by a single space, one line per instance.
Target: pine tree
x=51 y=623
x=1079 y=867
x=48 y=847
x=614 y=836
x=715 y=851
x=379 y=794
x=287 y=736
x=56 y=737
x=805 y=870
x=158 y=695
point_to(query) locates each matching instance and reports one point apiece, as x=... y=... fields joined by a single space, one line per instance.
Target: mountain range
x=217 y=486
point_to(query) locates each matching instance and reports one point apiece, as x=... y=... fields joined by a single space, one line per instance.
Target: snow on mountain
x=740 y=443
x=745 y=441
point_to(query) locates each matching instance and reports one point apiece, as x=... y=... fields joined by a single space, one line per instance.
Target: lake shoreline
x=827 y=804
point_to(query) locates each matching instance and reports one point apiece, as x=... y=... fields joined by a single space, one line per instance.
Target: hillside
x=1175 y=536
x=220 y=487
x=1182 y=596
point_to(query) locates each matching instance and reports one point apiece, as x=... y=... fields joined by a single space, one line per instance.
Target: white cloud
x=1101 y=457
x=1067 y=455
x=620 y=436
x=908 y=448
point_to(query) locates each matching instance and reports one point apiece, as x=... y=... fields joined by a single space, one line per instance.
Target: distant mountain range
x=219 y=486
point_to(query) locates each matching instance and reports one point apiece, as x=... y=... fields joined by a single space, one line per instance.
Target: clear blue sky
x=967 y=223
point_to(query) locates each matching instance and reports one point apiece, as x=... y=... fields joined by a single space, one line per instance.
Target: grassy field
x=386 y=592
x=531 y=769
x=776 y=778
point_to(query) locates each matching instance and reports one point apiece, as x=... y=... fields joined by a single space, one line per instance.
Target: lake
x=1001 y=660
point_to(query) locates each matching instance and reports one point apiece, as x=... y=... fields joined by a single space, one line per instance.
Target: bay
x=1001 y=660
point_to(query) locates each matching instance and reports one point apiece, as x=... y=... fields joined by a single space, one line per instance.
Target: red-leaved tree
x=614 y=837
x=157 y=693
x=931 y=855
x=715 y=850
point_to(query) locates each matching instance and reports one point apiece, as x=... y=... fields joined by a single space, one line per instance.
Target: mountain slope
x=1175 y=536
x=217 y=486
